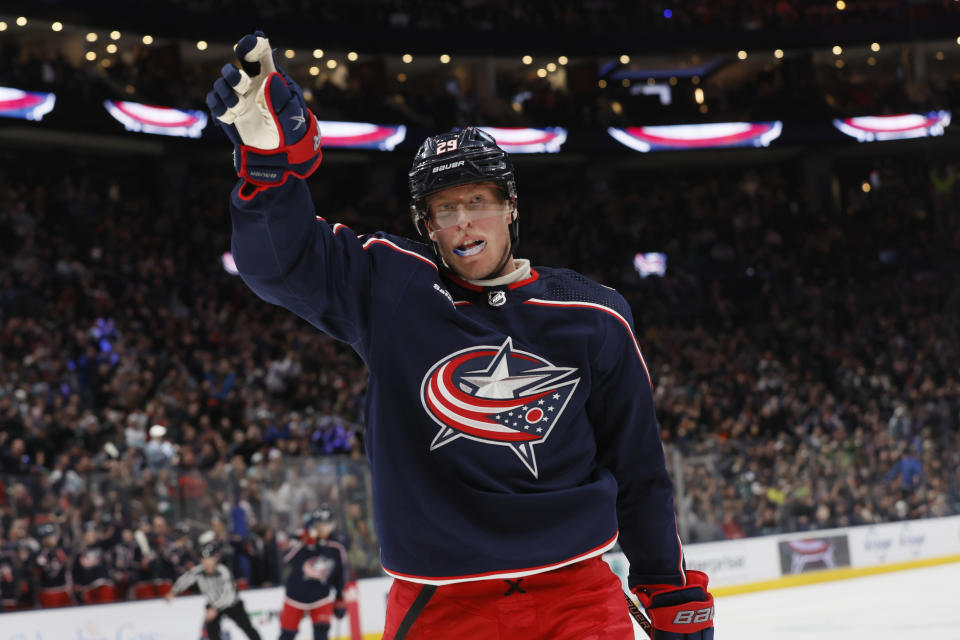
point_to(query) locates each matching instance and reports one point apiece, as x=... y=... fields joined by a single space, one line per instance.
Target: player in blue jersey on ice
x=316 y=575
x=510 y=422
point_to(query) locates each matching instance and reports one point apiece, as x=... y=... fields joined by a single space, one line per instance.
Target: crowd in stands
x=803 y=346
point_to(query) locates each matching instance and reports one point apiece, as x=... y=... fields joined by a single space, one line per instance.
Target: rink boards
x=734 y=567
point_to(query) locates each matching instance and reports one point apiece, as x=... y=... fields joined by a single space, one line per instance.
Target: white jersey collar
x=521 y=271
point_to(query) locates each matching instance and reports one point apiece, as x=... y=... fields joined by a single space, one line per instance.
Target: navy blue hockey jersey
x=9 y=576
x=510 y=431
x=317 y=570
x=52 y=567
x=90 y=566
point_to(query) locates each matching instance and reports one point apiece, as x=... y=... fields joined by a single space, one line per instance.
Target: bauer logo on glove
x=264 y=114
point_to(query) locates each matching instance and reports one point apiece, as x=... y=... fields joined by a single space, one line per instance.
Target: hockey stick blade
x=638 y=616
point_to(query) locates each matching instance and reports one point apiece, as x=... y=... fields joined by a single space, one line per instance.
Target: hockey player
x=177 y=555
x=144 y=561
x=120 y=554
x=314 y=584
x=9 y=574
x=92 y=582
x=216 y=584
x=510 y=421
x=53 y=590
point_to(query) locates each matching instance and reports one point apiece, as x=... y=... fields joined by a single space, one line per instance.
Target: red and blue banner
x=901 y=126
x=360 y=135
x=714 y=135
x=526 y=140
x=25 y=105
x=166 y=121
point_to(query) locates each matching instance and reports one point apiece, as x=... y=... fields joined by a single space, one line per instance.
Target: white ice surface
x=922 y=604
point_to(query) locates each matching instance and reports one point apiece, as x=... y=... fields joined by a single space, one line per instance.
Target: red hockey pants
x=583 y=601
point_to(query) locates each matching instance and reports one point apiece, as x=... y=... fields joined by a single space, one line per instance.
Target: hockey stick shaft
x=638 y=616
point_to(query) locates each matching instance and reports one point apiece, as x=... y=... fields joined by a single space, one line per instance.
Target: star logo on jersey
x=497 y=395
x=299 y=119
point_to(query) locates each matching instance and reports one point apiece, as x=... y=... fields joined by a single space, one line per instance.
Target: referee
x=216 y=584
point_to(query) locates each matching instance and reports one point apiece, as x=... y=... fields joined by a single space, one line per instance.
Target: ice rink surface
x=903 y=605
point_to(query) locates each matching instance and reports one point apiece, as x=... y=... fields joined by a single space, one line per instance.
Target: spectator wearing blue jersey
x=908 y=467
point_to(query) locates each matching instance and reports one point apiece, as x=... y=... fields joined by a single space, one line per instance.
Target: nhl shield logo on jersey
x=497 y=395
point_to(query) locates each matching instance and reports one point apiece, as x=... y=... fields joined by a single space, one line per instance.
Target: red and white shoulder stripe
x=339 y=547
x=336 y=226
x=292 y=550
x=387 y=243
x=604 y=309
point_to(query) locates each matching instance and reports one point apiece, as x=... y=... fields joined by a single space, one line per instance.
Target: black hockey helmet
x=323 y=515
x=210 y=549
x=459 y=157
x=181 y=529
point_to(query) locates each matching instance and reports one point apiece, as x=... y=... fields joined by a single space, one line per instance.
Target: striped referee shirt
x=217 y=588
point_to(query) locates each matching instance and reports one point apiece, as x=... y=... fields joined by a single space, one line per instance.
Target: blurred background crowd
x=803 y=341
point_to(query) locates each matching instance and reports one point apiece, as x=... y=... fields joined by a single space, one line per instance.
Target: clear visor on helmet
x=449 y=214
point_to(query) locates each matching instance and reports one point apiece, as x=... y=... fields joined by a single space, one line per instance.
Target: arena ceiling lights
x=25 y=105
x=716 y=135
x=894 y=127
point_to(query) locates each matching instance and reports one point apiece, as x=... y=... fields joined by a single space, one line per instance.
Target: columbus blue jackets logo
x=317 y=568
x=497 y=395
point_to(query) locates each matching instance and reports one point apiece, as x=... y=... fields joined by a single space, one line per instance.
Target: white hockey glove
x=264 y=114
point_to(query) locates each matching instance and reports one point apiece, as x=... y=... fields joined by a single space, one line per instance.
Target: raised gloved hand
x=264 y=114
x=679 y=613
